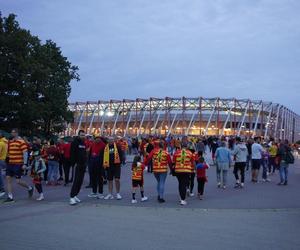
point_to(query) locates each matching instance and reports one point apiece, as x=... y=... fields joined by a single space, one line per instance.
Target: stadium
x=185 y=116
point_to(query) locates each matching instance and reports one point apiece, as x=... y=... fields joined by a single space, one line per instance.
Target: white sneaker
x=144 y=198
x=268 y=180
x=76 y=199
x=92 y=195
x=100 y=196
x=192 y=194
x=224 y=187
x=183 y=203
x=108 y=197
x=2 y=194
x=73 y=201
x=119 y=197
x=133 y=201
x=41 y=197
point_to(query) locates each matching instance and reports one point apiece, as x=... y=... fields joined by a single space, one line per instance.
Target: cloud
x=130 y=49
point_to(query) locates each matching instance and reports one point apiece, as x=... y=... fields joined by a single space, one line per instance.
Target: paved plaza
x=261 y=216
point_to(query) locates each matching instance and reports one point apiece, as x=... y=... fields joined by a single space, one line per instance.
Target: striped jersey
x=16 y=148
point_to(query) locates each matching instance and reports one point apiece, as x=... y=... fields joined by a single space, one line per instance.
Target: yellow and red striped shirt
x=16 y=148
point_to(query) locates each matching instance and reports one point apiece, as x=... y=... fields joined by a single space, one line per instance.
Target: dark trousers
x=201 y=184
x=90 y=172
x=46 y=172
x=239 y=167
x=78 y=180
x=38 y=187
x=191 y=182
x=61 y=164
x=67 y=167
x=272 y=164
x=96 y=175
x=183 y=182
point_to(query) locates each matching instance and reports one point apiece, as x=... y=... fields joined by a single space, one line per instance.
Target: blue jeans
x=161 y=179
x=53 y=167
x=283 y=171
x=264 y=164
x=2 y=165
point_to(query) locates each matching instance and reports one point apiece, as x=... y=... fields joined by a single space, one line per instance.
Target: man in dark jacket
x=79 y=160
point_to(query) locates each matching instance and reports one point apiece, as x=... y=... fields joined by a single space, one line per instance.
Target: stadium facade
x=186 y=116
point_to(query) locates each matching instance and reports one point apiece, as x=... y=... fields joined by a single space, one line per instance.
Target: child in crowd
x=38 y=167
x=201 y=167
x=138 y=178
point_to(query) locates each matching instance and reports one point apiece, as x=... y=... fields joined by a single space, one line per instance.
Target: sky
x=156 y=48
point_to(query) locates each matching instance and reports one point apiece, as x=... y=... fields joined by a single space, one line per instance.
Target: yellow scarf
x=106 y=156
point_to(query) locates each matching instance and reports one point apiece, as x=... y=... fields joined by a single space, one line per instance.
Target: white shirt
x=257 y=150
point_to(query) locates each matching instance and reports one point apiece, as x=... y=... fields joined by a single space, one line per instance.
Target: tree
x=34 y=81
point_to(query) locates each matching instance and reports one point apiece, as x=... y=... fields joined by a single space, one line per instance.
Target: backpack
x=289 y=158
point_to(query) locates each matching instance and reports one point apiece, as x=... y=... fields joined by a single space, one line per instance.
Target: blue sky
x=158 y=48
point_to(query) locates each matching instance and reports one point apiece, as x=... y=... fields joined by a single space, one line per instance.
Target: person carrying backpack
x=286 y=158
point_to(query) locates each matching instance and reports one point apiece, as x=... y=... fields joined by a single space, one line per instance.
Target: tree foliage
x=34 y=81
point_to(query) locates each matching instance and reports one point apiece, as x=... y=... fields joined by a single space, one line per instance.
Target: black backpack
x=289 y=158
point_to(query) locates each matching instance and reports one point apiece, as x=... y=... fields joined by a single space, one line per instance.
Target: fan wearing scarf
x=161 y=160
x=184 y=161
x=112 y=163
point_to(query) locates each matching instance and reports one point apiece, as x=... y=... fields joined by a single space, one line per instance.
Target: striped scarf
x=106 y=156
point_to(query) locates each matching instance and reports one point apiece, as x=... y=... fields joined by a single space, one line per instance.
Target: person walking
x=53 y=163
x=223 y=161
x=286 y=158
x=3 y=154
x=17 y=162
x=240 y=154
x=161 y=160
x=201 y=168
x=257 y=151
x=184 y=165
x=79 y=160
x=96 y=164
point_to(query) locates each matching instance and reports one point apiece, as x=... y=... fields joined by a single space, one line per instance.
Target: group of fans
x=53 y=163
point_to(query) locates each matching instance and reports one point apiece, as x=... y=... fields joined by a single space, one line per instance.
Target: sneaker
x=242 y=185
x=219 y=185
x=9 y=200
x=237 y=185
x=100 y=196
x=72 y=201
x=133 y=201
x=41 y=197
x=200 y=197
x=285 y=183
x=161 y=200
x=30 y=192
x=119 y=197
x=192 y=194
x=280 y=183
x=224 y=187
x=268 y=180
x=144 y=198
x=76 y=199
x=2 y=193
x=183 y=203
x=108 y=197
x=93 y=195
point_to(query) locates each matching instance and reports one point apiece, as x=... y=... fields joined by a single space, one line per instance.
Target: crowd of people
x=66 y=161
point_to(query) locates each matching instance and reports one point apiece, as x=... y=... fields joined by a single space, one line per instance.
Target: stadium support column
x=80 y=121
x=91 y=122
x=227 y=119
x=183 y=115
x=123 y=116
x=98 y=117
x=86 y=117
x=141 y=123
x=282 y=121
x=249 y=118
x=234 y=116
x=218 y=115
x=276 y=134
x=127 y=125
x=150 y=116
x=262 y=119
x=210 y=117
x=172 y=124
x=268 y=121
x=257 y=118
x=190 y=124
x=200 y=116
x=243 y=119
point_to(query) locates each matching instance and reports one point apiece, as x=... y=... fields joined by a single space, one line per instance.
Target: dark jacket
x=78 y=152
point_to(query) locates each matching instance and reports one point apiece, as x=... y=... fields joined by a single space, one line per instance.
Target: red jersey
x=67 y=150
x=96 y=148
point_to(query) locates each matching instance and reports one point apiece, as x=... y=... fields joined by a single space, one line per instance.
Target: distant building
x=186 y=116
